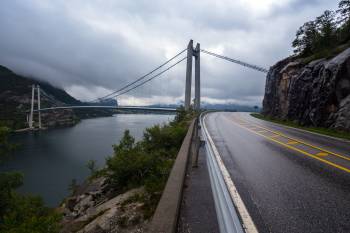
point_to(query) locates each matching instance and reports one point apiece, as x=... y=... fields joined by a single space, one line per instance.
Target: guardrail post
x=195 y=144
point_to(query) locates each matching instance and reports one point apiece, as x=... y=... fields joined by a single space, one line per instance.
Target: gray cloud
x=92 y=47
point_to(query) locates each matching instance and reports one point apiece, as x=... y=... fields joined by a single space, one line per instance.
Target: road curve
x=290 y=180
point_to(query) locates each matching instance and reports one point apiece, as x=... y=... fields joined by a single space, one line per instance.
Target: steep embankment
x=317 y=93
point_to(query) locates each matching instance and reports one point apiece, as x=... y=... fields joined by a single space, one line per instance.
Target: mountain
x=13 y=83
x=315 y=93
x=15 y=99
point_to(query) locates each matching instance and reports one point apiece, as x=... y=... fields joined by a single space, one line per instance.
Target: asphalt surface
x=290 y=180
x=197 y=213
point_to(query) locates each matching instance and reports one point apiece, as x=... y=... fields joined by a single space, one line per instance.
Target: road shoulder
x=197 y=213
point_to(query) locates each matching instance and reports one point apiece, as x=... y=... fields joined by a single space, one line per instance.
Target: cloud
x=92 y=47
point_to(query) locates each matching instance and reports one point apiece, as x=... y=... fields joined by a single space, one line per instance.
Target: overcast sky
x=91 y=47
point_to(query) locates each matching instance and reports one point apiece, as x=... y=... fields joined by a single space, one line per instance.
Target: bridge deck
x=110 y=107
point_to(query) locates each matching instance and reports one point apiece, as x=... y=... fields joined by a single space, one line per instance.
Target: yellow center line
x=307 y=144
x=299 y=150
x=292 y=143
x=322 y=154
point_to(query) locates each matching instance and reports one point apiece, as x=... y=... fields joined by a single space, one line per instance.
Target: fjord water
x=50 y=159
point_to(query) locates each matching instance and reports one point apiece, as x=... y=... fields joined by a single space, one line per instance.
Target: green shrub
x=148 y=162
x=28 y=214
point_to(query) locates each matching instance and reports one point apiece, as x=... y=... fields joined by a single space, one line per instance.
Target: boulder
x=83 y=214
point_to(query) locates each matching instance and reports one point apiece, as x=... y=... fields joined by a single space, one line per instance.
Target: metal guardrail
x=232 y=214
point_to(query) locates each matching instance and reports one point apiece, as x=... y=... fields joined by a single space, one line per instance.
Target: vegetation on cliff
x=149 y=161
x=144 y=164
x=133 y=179
x=327 y=35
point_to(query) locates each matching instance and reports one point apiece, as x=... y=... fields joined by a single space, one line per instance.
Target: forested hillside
x=325 y=36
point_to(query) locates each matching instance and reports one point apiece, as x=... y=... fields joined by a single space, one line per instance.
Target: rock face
x=94 y=209
x=316 y=94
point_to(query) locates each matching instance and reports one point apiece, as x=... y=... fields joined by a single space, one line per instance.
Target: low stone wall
x=167 y=212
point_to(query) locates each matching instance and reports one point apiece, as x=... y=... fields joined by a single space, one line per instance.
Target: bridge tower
x=39 y=112
x=188 y=75
x=31 y=116
x=190 y=54
x=32 y=108
x=197 y=81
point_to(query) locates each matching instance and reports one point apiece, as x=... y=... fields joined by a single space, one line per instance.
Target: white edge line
x=248 y=222
x=302 y=130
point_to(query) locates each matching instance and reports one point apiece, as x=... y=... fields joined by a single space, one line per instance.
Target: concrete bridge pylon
x=31 y=116
x=191 y=52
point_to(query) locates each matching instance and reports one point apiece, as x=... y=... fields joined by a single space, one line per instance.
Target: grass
x=327 y=53
x=320 y=130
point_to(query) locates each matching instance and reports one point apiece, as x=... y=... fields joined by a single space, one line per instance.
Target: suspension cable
x=258 y=68
x=139 y=79
x=148 y=80
x=53 y=101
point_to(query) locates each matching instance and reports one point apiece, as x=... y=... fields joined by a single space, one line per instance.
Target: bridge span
x=139 y=108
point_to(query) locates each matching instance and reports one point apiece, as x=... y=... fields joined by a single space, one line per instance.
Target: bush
x=28 y=214
x=148 y=162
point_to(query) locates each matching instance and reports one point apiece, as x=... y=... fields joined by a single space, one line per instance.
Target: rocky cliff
x=313 y=94
x=96 y=208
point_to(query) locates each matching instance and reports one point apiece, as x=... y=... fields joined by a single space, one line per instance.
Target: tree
x=344 y=10
x=306 y=37
x=73 y=186
x=91 y=165
x=326 y=25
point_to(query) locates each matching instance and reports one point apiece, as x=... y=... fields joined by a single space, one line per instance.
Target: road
x=290 y=180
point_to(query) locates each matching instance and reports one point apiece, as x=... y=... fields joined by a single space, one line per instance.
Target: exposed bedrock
x=316 y=94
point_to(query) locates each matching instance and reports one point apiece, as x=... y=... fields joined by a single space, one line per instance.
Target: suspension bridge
x=192 y=52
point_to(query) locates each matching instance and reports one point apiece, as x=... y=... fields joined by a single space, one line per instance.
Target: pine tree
x=326 y=25
x=306 y=36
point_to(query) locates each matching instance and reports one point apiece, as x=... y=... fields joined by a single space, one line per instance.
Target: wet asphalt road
x=290 y=180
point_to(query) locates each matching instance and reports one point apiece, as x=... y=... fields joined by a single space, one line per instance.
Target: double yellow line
x=278 y=134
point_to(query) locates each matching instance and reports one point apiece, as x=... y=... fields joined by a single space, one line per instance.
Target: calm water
x=50 y=159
